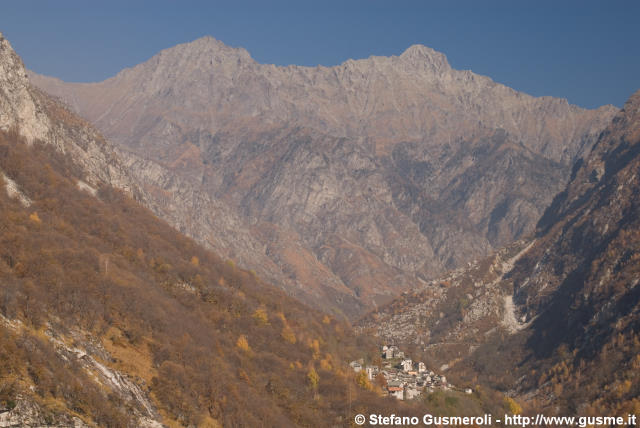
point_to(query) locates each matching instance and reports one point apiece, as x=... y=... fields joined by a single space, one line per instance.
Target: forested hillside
x=109 y=317
x=91 y=279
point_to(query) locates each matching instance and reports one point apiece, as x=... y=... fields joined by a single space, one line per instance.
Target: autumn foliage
x=212 y=341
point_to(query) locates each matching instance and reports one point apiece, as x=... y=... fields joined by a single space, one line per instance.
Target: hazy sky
x=586 y=51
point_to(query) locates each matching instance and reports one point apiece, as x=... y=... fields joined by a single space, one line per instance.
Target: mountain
x=110 y=317
x=583 y=273
x=555 y=318
x=343 y=185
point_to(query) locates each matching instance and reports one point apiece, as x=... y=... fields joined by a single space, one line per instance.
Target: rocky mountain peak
x=424 y=56
x=209 y=43
x=207 y=51
x=188 y=65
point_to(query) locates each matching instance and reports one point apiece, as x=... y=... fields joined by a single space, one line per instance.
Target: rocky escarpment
x=347 y=184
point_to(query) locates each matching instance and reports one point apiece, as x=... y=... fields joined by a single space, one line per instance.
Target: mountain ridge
x=361 y=167
x=204 y=53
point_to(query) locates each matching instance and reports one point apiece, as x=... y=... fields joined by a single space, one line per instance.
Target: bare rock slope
x=342 y=184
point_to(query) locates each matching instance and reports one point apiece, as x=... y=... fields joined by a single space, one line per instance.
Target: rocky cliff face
x=17 y=106
x=346 y=184
x=36 y=116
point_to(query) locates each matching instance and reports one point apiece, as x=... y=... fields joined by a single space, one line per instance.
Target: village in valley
x=404 y=379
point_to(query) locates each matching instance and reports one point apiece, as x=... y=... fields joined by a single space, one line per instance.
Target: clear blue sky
x=585 y=51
